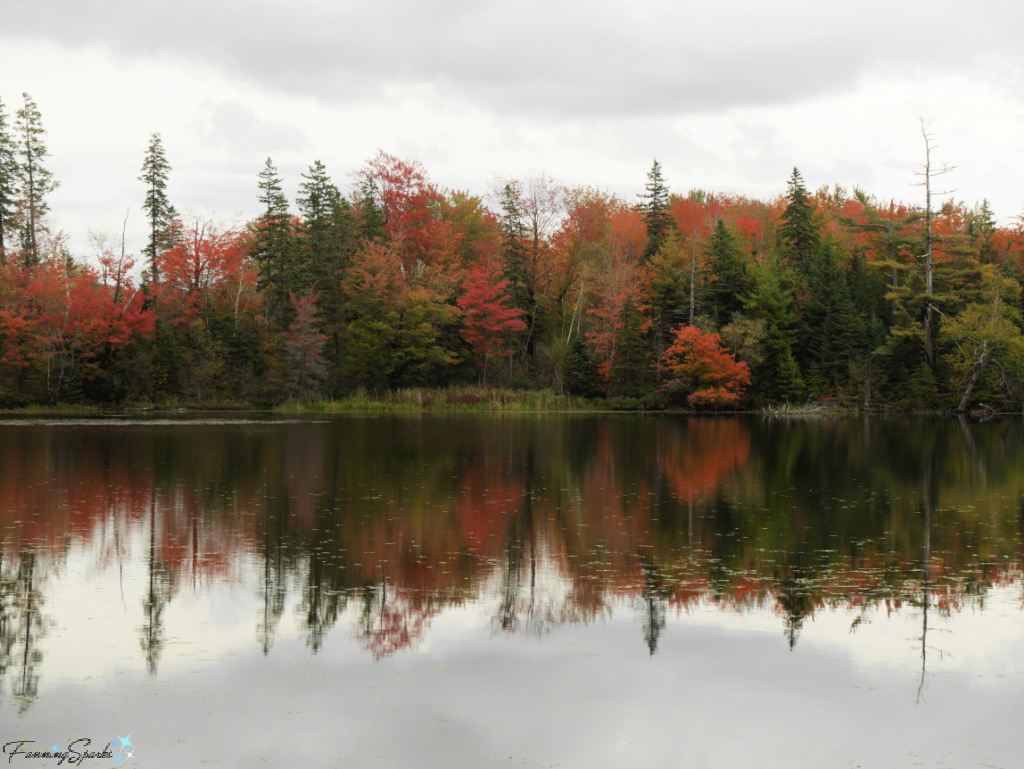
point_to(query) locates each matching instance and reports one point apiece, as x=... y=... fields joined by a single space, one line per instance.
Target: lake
x=517 y=590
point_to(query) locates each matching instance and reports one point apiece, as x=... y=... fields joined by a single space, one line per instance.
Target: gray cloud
x=604 y=58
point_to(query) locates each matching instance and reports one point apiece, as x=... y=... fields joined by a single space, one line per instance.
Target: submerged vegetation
x=403 y=295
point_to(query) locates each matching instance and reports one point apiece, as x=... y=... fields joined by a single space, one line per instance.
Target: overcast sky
x=728 y=96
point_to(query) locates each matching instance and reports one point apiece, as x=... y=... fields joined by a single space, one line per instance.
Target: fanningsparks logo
x=119 y=750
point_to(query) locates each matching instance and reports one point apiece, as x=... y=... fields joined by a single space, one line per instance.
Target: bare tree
x=927 y=174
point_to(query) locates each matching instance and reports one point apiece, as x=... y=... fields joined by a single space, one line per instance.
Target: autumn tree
x=303 y=347
x=70 y=320
x=35 y=179
x=207 y=338
x=157 y=205
x=397 y=325
x=486 y=319
x=700 y=368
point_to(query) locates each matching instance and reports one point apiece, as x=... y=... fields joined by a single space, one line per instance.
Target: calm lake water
x=497 y=591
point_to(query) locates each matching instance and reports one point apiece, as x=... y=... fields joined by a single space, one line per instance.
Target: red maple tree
x=487 y=320
x=702 y=367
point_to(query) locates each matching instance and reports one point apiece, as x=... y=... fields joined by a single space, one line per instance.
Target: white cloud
x=727 y=96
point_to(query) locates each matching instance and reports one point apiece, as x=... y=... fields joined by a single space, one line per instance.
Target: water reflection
x=373 y=527
x=22 y=625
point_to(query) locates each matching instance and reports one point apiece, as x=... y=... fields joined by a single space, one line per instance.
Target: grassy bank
x=463 y=398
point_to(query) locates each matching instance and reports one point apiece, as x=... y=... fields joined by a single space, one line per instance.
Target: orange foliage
x=699 y=364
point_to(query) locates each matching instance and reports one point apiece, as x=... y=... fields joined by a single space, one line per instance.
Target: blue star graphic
x=131 y=753
x=55 y=749
x=117 y=758
x=126 y=740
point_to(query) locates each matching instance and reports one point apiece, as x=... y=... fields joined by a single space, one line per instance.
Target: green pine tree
x=894 y=236
x=274 y=250
x=371 y=215
x=833 y=331
x=730 y=280
x=35 y=179
x=771 y=301
x=515 y=263
x=670 y=285
x=630 y=372
x=327 y=240
x=8 y=179
x=654 y=204
x=799 y=231
x=581 y=375
x=158 y=208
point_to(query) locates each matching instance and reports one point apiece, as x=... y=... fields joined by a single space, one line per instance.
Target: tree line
x=699 y=300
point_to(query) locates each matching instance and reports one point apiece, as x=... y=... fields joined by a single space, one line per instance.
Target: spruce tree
x=980 y=230
x=515 y=267
x=654 y=207
x=799 y=230
x=630 y=372
x=582 y=377
x=8 y=179
x=371 y=215
x=35 y=179
x=834 y=332
x=730 y=280
x=771 y=301
x=158 y=208
x=274 y=248
x=514 y=256
x=669 y=284
x=327 y=244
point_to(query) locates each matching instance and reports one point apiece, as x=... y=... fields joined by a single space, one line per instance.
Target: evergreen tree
x=799 y=230
x=328 y=241
x=894 y=237
x=158 y=208
x=371 y=215
x=274 y=250
x=581 y=374
x=771 y=301
x=630 y=371
x=8 y=178
x=515 y=264
x=980 y=230
x=834 y=332
x=654 y=207
x=514 y=255
x=730 y=280
x=36 y=181
x=669 y=282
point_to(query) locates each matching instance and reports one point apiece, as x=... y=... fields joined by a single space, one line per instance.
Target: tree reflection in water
x=376 y=526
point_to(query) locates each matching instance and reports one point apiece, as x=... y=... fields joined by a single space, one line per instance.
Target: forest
x=700 y=300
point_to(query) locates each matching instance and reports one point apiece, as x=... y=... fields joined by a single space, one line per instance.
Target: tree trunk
x=978 y=368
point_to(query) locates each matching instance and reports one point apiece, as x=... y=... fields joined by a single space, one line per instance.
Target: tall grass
x=461 y=398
